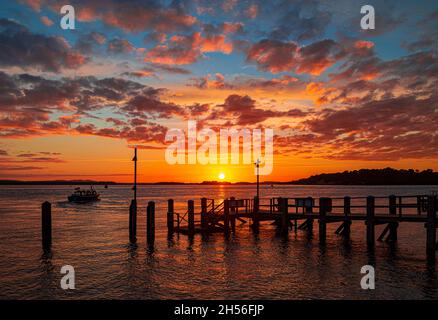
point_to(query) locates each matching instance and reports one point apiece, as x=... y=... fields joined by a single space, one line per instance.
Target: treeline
x=387 y=176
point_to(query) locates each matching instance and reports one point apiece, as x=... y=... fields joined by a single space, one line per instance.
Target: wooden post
x=431 y=228
x=284 y=216
x=204 y=217
x=255 y=215
x=323 y=202
x=226 y=216
x=370 y=221
x=393 y=212
x=309 y=221
x=133 y=221
x=46 y=225
x=191 y=217
x=347 y=213
x=150 y=223
x=170 y=213
x=233 y=215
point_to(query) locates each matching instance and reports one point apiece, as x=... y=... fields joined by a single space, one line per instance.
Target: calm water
x=94 y=239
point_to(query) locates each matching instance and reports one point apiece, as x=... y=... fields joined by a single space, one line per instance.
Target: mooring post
x=431 y=228
x=323 y=208
x=255 y=215
x=226 y=216
x=309 y=211
x=133 y=221
x=284 y=216
x=46 y=225
x=347 y=213
x=170 y=218
x=370 y=221
x=393 y=212
x=150 y=222
x=233 y=214
x=204 y=218
x=191 y=217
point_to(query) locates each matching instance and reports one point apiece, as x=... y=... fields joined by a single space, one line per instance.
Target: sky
x=74 y=102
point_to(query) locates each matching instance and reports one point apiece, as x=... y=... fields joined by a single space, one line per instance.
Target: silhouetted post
x=170 y=218
x=255 y=215
x=323 y=208
x=46 y=225
x=347 y=213
x=370 y=221
x=204 y=218
x=135 y=174
x=233 y=214
x=133 y=221
x=150 y=223
x=309 y=211
x=257 y=164
x=284 y=216
x=431 y=228
x=191 y=217
x=393 y=212
x=226 y=216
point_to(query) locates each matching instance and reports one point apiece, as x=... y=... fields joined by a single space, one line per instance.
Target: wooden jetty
x=300 y=214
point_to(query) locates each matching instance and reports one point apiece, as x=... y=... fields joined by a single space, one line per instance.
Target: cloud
x=277 y=56
x=119 y=46
x=89 y=42
x=300 y=21
x=242 y=111
x=187 y=49
x=21 y=48
x=245 y=82
x=252 y=11
x=389 y=129
x=130 y=16
x=46 y=21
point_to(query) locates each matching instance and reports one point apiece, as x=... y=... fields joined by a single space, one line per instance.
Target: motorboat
x=81 y=196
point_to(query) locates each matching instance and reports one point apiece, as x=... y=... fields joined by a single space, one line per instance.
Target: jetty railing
x=299 y=213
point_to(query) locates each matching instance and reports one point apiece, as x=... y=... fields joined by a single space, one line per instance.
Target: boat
x=82 y=196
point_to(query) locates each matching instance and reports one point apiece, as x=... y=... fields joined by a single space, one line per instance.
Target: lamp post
x=135 y=174
x=257 y=164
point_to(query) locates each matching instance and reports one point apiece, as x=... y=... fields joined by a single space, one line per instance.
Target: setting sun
x=221 y=176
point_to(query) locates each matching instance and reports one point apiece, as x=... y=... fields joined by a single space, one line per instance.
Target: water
x=94 y=239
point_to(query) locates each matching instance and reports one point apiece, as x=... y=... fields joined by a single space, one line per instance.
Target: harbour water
x=93 y=238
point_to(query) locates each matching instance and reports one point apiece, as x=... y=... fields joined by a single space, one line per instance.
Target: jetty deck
x=287 y=214
x=299 y=213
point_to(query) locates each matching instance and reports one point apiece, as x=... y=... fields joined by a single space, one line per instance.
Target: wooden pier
x=300 y=214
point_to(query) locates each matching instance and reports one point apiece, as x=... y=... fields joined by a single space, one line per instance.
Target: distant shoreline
x=362 y=177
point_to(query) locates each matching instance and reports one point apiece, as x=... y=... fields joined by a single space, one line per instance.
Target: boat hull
x=83 y=199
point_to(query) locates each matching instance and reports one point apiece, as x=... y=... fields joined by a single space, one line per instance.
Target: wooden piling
x=347 y=212
x=431 y=228
x=46 y=225
x=191 y=217
x=150 y=223
x=233 y=214
x=170 y=213
x=204 y=218
x=370 y=221
x=255 y=215
x=323 y=208
x=133 y=221
x=283 y=203
x=392 y=226
x=309 y=221
x=226 y=216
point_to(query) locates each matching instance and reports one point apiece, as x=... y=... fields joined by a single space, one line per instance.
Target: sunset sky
x=74 y=102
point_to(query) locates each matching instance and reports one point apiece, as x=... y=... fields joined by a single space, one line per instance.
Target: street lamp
x=257 y=164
